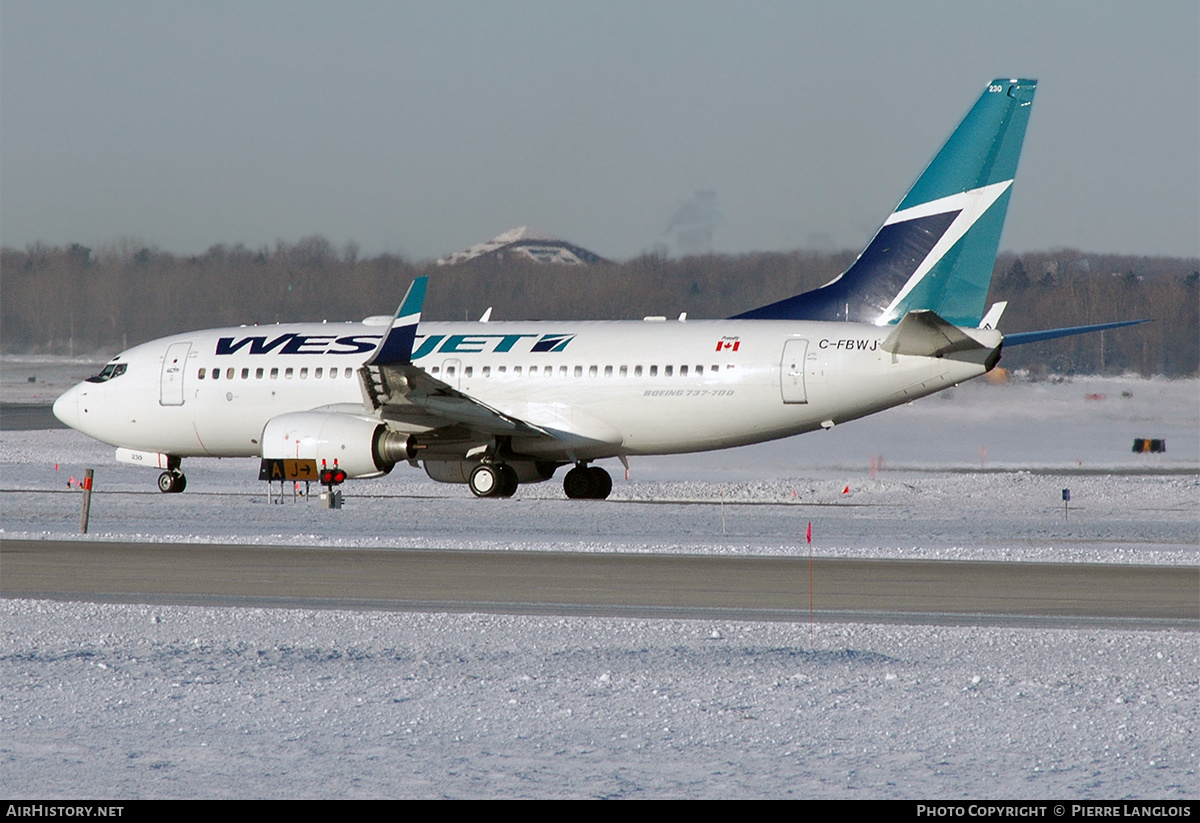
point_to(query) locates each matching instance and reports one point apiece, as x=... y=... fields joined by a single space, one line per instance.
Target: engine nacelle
x=360 y=446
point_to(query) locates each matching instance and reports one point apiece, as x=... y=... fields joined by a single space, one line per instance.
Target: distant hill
x=527 y=244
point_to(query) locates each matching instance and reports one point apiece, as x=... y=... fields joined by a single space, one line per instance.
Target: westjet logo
x=494 y=343
x=293 y=343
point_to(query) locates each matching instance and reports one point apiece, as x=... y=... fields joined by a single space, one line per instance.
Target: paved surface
x=16 y=417
x=759 y=588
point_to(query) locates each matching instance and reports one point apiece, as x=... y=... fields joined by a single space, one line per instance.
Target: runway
x=628 y=585
x=28 y=417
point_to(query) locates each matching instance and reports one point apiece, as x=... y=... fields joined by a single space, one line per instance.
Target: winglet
x=397 y=345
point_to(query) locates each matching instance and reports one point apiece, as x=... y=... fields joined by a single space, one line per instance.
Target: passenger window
x=654 y=371
x=304 y=373
x=608 y=371
x=435 y=369
x=624 y=371
x=319 y=373
x=201 y=374
x=517 y=370
x=245 y=374
x=258 y=374
x=275 y=373
x=487 y=371
x=503 y=369
x=637 y=371
x=683 y=371
x=449 y=371
x=349 y=371
x=287 y=373
x=670 y=370
x=699 y=370
x=468 y=371
x=562 y=371
x=592 y=371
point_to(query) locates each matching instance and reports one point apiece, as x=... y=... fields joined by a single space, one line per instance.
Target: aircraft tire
x=508 y=481
x=580 y=483
x=171 y=482
x=601 y=483
x=486 y=480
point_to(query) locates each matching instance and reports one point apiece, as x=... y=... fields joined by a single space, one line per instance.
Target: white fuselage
x=612 y=388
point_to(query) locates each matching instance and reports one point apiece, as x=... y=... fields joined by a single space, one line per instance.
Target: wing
x=411 y=400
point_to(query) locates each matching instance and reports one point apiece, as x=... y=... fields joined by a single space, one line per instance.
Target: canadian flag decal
x=728 y=344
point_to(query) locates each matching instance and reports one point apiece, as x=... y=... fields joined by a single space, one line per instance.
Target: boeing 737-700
x=496 y=404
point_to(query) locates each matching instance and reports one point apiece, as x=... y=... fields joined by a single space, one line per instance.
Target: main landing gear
x=493 y=480
x=500 y=480
x=587 y=483
x=172 y=482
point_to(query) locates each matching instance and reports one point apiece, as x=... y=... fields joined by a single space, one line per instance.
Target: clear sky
x=423 y=127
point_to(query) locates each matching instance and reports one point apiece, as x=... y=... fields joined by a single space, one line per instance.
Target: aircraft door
x=791 y=371
x=174 y=365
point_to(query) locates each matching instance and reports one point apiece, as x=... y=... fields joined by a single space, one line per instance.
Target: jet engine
x=360 y=446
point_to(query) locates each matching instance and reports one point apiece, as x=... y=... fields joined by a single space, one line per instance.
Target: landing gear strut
x=587 y=483
x=172 y=482
x=493 y=480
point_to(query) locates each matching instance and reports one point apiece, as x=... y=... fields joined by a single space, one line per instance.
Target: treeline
x=57 y=300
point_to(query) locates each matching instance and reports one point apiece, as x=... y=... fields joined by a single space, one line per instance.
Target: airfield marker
x=87 y=502
x=811 y=631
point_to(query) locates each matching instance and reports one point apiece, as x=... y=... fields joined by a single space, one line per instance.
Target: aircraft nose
x=66 y=407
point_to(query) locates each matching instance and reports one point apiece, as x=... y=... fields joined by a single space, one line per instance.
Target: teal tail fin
x=937 y=249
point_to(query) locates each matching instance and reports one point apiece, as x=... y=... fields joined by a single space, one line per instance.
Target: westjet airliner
x=495 y=404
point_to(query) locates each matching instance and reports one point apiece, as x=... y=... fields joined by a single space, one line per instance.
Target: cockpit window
x=110 y=371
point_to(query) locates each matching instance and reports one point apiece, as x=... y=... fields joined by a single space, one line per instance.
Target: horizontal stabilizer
x=1049 y=334
x=924 y=334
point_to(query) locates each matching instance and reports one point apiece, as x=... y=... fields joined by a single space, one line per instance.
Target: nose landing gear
x=172 y=482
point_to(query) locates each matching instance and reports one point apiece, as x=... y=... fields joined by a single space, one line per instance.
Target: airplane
x=496 y=404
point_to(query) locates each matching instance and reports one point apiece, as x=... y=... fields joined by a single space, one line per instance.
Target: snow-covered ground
x=139 y=701
x=151 y=701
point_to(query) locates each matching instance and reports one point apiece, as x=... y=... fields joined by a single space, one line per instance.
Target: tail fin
x=937 y=249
